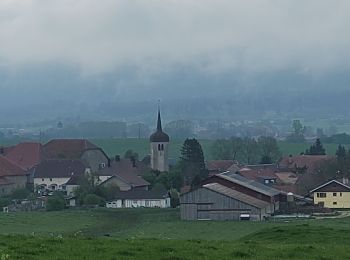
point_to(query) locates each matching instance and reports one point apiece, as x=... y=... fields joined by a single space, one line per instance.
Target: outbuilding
x=214 y=201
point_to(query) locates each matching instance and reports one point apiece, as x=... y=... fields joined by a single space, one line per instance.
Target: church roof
x=159 y=135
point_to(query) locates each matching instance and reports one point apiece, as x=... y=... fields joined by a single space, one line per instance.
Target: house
x=12 y=176
x=74 y=149
x=214 y=201
x=123 y=173
x=251 y=188
x=332 y=194
x=304 y=163
x=51 y=175
x=137 y=198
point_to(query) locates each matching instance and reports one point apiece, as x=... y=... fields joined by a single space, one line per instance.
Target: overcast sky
x=98 y=36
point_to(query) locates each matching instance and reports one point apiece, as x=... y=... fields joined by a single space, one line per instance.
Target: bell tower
x=159 y=142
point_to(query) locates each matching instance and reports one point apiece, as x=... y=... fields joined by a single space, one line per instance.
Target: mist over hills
x=55 y=91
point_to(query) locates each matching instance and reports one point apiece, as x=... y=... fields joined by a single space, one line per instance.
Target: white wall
x=152 y=203
x=50 y=181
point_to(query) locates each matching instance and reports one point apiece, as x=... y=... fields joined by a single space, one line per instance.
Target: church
x=159 y=142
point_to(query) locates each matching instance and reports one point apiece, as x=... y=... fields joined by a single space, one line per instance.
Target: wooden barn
x=216 y=202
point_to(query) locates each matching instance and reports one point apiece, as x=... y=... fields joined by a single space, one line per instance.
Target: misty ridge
x=232 y=60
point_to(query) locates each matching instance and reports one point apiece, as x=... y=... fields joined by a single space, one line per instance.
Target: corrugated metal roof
x=236 y=178
x=236 y=195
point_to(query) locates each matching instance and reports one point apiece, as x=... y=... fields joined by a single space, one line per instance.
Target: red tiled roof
x=219 y=164
x=67 y=148
x=26 y=154
x=9 y=168
x=310 y=161
x=256 y=174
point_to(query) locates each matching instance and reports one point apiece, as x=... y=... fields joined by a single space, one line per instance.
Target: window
x=334 y=203
x=102 y=166
x=340 y=194
x=334 y=194
x=162 y=147
x=42 y=179
x=321 y=195
x=50 y=179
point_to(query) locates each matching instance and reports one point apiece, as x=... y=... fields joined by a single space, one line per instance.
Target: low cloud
x=153 y=35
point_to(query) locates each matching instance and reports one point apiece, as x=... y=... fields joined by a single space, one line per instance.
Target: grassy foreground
x=159 y=234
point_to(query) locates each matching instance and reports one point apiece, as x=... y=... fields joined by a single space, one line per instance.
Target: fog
x=204 y=59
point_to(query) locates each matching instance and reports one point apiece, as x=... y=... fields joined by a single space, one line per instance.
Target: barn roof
x=250 y=184
x=236 y=195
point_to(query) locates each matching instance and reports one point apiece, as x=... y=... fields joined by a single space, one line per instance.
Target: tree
x=298 y=133
x=55 y=202
x=269 y=150
x=341 y=152
x=93 y=199
x=316 y=149
x=250 y=150
x=192 y=161
x=130 y=154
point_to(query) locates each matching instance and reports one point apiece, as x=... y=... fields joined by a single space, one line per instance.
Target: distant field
x=119 y=146
x=159 y=234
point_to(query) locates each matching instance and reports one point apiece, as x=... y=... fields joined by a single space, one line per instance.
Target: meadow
x=114 y=146
x=159 y=234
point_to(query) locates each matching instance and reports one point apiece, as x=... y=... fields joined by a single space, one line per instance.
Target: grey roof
x=124 y=170
x=236 y=195
x=59 y=168
x=325 y=184
x=251 y=184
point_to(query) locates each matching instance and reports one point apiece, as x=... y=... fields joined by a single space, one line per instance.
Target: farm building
x=332 y=194
x=251 y=188
x=138 y=198
x=214 y=201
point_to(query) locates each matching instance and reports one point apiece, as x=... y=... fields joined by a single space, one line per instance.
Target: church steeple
x=159 y=144
x=159 y=122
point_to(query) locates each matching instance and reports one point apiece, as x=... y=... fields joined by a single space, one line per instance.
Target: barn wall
x=206 y=204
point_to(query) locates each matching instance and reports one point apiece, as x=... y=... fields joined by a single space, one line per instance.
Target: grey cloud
x=213 y=36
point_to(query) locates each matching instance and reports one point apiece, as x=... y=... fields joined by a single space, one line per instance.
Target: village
x=79 y=173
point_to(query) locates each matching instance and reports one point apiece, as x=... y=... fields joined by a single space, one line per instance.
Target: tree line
x=264 y=150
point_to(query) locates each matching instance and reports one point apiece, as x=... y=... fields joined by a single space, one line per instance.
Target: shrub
x=92 y=199
x=4 y=202
x=55 y=202
x=20 y=194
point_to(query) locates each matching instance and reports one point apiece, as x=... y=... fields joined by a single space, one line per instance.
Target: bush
x=55 y=202
x=20 y=194
x=92 y=199
x=4 y=202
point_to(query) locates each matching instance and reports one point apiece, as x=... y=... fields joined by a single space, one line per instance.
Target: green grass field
x=159 y=234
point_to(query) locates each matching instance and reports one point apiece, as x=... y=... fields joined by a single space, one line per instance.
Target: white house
x=51 y=175
x=138 y=198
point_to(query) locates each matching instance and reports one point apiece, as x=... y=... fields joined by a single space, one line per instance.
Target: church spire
x=159 y=122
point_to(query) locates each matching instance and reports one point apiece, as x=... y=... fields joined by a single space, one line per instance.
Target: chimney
x=133 y=161
x=345 y=181
x=290 y=159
